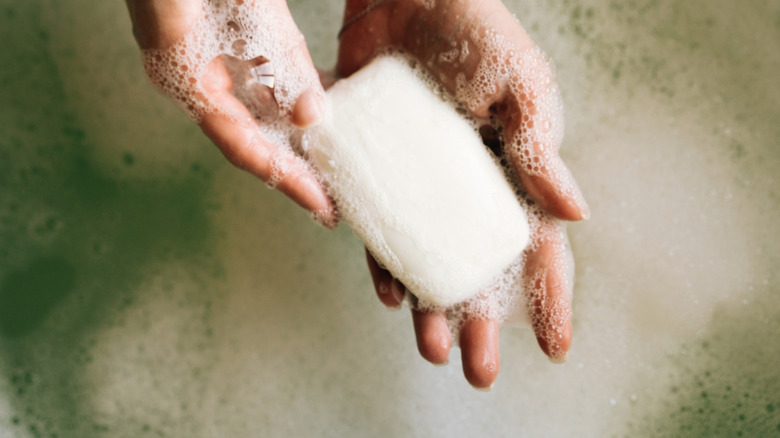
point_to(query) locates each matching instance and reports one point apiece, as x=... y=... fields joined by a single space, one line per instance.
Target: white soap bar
x=414 y=181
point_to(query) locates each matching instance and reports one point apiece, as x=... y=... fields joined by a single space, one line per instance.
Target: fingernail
x=441 y=364
x=558 y=358
x=584 y=207
x=483 y=389
x=394 y=308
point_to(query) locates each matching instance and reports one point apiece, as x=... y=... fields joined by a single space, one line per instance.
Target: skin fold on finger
x=480 y=352
x=433 y=336
x=389 y=290
x=549 y=307
x=242 y=143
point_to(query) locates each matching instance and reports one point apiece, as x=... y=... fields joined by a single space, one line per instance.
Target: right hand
x=159 y=25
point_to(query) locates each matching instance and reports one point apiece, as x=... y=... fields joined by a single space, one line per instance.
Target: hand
x=206 y=82
x=479 y=52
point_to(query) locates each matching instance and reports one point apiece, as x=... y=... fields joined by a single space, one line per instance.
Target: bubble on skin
x=427 y=4
x=464 y=51
x=327 y=218
x=278 y=169
x=449 y=56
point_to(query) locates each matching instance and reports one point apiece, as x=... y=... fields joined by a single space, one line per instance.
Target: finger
x=479 y=352
x=532 y=114
x=556 y=191
x=309 y=106
x=238 y=137
x=389 y=290
x=433 y=336
x=549 y=303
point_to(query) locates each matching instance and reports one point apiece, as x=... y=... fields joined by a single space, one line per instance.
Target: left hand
x=162 y=27
x=458 y=42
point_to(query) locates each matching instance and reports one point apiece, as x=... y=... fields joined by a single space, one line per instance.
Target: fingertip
x=550 y=308
x=584 y=210
x=308 y=109
x=556 y=347
x=433 y=336
x=558 y=360
x=559 y=196
x=479 y=352
x=308 y=192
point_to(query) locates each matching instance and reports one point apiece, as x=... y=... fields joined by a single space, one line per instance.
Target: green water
x=147 y=289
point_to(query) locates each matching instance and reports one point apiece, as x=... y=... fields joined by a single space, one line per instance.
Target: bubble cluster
x=427 y=4
x=524 y=82
x=259 y=46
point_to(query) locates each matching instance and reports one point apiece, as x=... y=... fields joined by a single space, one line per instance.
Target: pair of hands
x=425 y=30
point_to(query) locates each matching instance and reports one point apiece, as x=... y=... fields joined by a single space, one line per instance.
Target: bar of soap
x=415 y=182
